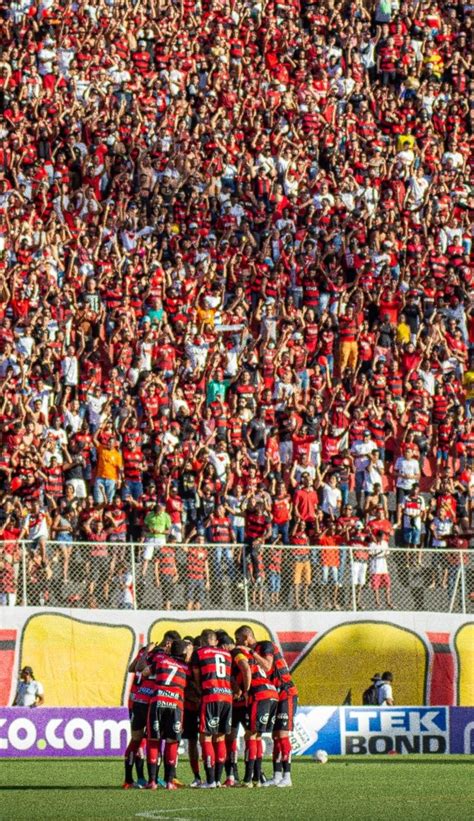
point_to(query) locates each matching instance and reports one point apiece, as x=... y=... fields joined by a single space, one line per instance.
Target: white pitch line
x=164 y=814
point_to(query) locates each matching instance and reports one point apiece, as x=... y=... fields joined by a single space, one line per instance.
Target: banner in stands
x=72 y=732
x=81 y=656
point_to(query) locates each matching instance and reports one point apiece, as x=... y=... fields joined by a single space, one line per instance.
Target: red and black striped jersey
x=260 y=686
x=167 y=560
x=142 y=688
x=213 y=666
x=279 y=675
x=237 y=679
x=170 y=677
x=132 y=464
x=136 y=679
x=196 y=563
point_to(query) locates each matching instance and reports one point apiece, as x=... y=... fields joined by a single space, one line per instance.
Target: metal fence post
x=24 y=574
x=463 y=586
x=353 y=587
x=134 y=577
x=455 y=590
x=246 y=587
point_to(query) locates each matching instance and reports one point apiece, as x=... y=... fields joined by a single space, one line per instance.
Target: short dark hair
x=178 y=649
x=170 y=636
x=208 y=635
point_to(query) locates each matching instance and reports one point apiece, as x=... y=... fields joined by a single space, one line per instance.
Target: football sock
x=171 y=759
x=209 y=760
x=277 y=765
x=220 y=754
x=257 y=770
x=153 y=758
x=130 y=753
x=250 y=755
x=285 y=745
x=231 y=758
x=194 y=759
x=140 y=756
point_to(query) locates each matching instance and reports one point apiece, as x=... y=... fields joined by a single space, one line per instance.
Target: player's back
x=214 y=667
x=133 y=694
x=170 y=676
x=143 y=687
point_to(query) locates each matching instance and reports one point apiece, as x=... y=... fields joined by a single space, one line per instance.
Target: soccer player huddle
x=203 y=689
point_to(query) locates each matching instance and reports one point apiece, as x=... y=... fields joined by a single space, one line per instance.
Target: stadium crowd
x=235 y=286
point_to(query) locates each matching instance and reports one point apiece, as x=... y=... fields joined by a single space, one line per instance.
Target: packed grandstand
x=236 y=299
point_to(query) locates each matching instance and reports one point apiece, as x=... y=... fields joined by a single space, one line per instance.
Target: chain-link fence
x=170 y=576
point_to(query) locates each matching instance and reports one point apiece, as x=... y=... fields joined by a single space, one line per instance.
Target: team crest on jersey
x=177 y=727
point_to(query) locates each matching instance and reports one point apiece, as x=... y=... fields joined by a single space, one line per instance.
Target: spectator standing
x=385 y=690
x=108 y=471
x=29 y=692
x=157 y=526
x=378 y=567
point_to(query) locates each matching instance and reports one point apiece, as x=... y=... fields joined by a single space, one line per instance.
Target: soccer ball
x=321 y=757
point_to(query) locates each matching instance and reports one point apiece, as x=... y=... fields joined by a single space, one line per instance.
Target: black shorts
x=190 y=724
x=196 y=590
x=168 y=587
x=239 y=715
x=164 y=722
x=215 y=718
x=261 y=715
x=99 y=569
x=286 y=709
x=138 y=715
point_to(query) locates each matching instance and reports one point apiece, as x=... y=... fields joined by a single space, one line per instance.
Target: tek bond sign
x=78 y=732
x=379 y=730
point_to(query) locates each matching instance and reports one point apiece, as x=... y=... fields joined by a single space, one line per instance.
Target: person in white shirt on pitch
x=29 y=692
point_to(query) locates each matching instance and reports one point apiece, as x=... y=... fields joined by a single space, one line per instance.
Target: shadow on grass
x=393 y=759
x=59 y=787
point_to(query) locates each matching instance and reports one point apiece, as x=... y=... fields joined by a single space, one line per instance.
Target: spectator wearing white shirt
x=361 y=451
x=373 y=472
x=197 y=352
x=332 y=498
x=385 y=691
x=70 y=368
x=29 y=692
x=379 y=575
x=73 y=418
x=407 y=471
x=221 y=460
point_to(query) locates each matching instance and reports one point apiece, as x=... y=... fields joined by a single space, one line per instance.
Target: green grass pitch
x=368 y=789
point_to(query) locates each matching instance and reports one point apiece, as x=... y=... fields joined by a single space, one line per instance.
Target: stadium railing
x=235 y=577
